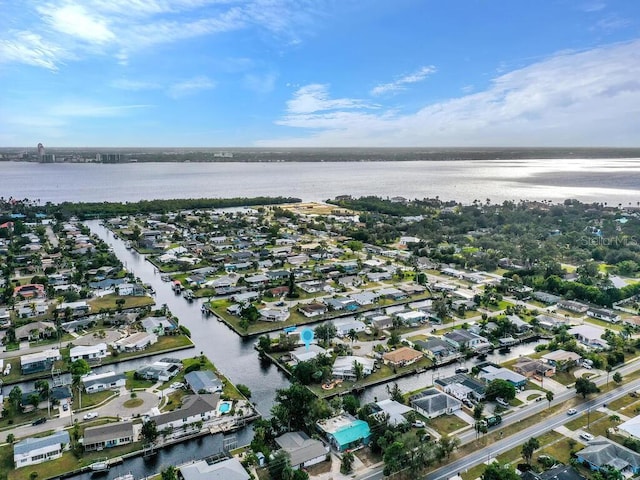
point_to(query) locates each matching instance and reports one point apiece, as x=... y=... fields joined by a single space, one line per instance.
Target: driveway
x=118 y=408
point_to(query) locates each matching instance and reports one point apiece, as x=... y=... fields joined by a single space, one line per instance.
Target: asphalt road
x=507 y=443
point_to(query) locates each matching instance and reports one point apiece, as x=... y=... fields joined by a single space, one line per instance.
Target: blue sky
x=334 y=73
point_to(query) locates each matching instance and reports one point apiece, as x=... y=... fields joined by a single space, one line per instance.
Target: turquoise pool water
x=224 y=407
x=358 y=430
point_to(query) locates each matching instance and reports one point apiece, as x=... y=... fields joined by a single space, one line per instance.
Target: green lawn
x=108 y=302
x=582 y=421
x=91 y=399
x=446 y=424
x=560 y=449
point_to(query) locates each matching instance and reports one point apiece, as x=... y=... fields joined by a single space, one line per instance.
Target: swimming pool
x=224 y=407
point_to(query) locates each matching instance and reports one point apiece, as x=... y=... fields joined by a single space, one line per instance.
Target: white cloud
x=76 y=21
x=315 y=98
x=190 y=87
x=119 y=28
x=402 y=82
x=31 y=49
x=588 y=98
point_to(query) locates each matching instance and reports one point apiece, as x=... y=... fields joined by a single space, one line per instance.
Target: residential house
x=136 y=341
x=413 y=317
x=30 y=290
x=549 y=322
x=603 y=314
x=532 y=367
x=97 y=382
x=89 y=352
x=589 y=335
x=603 y=452
x=341 y=303
x=631 y=427
x=545 y=297
x=195 y=409
x=162 y=370
x=402 y=357
x=77 y=308
x=39 y=361
x=344 y=326
x=229 y=469
x=364 y=298
x=379 y=276
x=31 y=451
x=560 y=472
x=107 y=436
x=520 y=325
x=462 y=339
x=35 y=330
x=344 y=431
x=462 y=386
x=349 y=281
x=343 y=367
x=314 y=309
x=274 y=314
x=394 y=411
x=573 y=306
x=437 y=349
x=203 y=381
x=302 y=451
x=491 y=372
x=158 y=325
x=561 y=359
x=304 y=353
x=382 y=322
x=432 y=403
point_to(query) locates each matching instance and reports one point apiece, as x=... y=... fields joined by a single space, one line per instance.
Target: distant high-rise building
x=47 y=158
x=108 y=157
x=40 y=150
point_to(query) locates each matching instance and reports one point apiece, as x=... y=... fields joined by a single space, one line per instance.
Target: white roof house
x=31 y=451
x=230 y=469
x=88 y=352
x=589 y=335
x=304 y=354
x=136 y=341
x=343 y=366
x=632 y=427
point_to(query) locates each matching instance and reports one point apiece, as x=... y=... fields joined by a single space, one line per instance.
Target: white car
x=90 y=416
x=177 y=385
x=586 y=436
x=418 y=424
x=572 y=411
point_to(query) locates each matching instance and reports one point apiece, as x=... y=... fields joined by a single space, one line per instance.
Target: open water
x=615 y=181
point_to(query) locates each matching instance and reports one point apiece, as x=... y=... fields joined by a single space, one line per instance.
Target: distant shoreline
x=313 y=155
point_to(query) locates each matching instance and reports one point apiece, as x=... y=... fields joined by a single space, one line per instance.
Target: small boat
x=100 y=465
x=126 y=476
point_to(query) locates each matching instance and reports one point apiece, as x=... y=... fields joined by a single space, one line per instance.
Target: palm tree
x=549 y=396
x=353 y=335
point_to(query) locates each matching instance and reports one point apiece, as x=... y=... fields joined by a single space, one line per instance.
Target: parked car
x=177 y=385
x=586 y=436
x=65 y=406
x=90 y=415
x=462 y=370
x=418 y=424
x=39 y=421
x=572 y=411
x=502 y=401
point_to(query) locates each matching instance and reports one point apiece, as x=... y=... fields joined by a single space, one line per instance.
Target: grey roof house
x=302 y=450
x=432 y=403
x=203 y=381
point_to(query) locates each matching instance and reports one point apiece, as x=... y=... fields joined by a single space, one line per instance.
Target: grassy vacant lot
x=560 y=449
x=108 y=302
x=582 y=421
x=446 y=424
